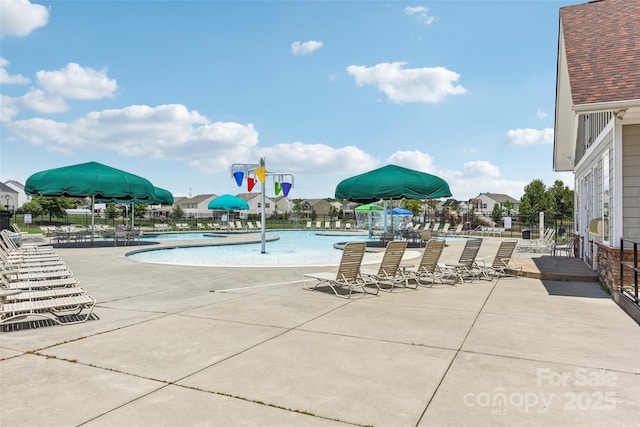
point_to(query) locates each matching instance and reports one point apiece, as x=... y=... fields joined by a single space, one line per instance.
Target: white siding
x=631 y=181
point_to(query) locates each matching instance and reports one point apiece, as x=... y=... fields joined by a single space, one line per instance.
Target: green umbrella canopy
x=90 y=179
x=227 y=202
x=392 y=182
x=369 y=208
x=161 y=196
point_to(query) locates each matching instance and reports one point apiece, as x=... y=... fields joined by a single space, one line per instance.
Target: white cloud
x=317 y=159
x=480 y=168
x=475 y=177
x=421 y=13
x=164 y=131
x=43 y=102
x=413 y=160
x=529 y=136
x=8 y=108
x=76 y=82
x=303 y=48
x=428 y=85
x=6 y=78
x=20 y=17
x=541 y=114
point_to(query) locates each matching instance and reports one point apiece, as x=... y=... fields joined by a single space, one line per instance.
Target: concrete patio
x=183 y=346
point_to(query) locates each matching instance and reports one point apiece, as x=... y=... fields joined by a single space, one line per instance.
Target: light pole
x=251 y=171
x=7 y=197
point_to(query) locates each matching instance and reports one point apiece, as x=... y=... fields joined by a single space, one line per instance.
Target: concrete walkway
x=183 y=346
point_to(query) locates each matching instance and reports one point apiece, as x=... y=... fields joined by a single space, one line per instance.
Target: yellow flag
x=261 y=173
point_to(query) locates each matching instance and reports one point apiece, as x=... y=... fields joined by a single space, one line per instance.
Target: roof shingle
x=602 y=42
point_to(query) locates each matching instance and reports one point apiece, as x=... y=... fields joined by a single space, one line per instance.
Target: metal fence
x=521 y=225
x=629 y=290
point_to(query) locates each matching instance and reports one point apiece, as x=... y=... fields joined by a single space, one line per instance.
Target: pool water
x=162 y=237
x=292 y=249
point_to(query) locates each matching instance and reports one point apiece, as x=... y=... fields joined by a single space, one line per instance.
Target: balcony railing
x=589 y=127
x=630 y=288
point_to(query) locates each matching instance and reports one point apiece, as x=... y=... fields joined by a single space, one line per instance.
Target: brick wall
x=609 y=267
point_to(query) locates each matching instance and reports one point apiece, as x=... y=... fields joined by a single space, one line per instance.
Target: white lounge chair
x=466 y=266
x=428 y=268
x=389 y=273
x=445 y=229
x=62 y=310
x=503 y=262
x=348 y=277
x=545 y=244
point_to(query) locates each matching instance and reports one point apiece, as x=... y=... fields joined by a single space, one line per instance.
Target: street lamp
x=7 y=197
x=251 y=171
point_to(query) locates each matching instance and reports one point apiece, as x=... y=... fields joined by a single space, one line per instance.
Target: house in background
x=8 y=197
x=349 y=209
x=320 y=206
x=597 y=126
x=282 y=204
x=21 y=196
x=255 y=204
x=196 y=206
x=485 y=203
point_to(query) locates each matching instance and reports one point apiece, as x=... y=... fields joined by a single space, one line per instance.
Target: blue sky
x=178 y=91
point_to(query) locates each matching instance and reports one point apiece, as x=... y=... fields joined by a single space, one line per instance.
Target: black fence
x=530 y=225
x=629 y=288
x=521 y=226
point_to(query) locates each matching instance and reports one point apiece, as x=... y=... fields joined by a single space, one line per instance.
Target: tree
x=431 y=203
x=139 y=210
x=535 y=199
x=415 y=206
x=54 y=206
x=508 y=207
x=333 y=212
x=298 y=206
x=177 y=213
x=111 y=211
x=496 y=214
x=33 y=207
x=561 y=198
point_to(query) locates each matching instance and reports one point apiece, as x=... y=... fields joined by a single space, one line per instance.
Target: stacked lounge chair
x=36 y=284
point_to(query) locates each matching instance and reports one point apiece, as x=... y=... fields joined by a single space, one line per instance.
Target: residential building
x=597 y=126
x=8 y=197
x=320 y=206
x=21 y=197
x=485 y=203
x=196 y=206
x=282 y=204
x=349 y=209
x=255 y=204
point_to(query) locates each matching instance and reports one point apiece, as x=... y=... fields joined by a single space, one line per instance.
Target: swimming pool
x=293 y=248
x=163 y=237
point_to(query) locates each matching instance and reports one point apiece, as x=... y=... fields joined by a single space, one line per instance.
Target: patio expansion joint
x=527 y=359
x=548 y=317
x=285 y=331
x=457 y=351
